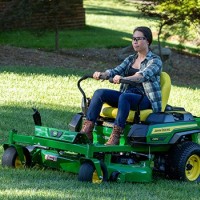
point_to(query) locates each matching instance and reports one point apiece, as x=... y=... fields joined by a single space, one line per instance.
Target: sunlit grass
x=58 y=98
x=187 y=98
x=116 y=16
x=54 y=92
x=47 y=184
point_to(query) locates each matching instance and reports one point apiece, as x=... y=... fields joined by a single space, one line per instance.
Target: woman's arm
x=148 y=71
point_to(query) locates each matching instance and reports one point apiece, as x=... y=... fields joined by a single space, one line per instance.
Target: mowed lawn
x=54 y=92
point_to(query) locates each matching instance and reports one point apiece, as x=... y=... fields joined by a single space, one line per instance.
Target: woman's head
x=146 y=33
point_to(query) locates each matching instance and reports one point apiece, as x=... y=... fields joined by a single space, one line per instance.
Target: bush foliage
x=178 y=17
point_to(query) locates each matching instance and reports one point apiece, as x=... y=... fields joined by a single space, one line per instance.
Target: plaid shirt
x=150 y=69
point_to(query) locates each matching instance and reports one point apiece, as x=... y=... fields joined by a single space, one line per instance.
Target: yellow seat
x=111 y=112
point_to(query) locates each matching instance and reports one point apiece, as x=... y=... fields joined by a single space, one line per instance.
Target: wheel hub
x=189 y=167
x=192 y=168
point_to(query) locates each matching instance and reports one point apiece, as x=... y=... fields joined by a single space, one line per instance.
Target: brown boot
x=115 y=136
x=87 y=129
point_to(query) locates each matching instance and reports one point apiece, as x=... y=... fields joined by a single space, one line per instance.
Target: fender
x=178 y=135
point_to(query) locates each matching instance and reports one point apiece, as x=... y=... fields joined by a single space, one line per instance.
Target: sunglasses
x=136 y=39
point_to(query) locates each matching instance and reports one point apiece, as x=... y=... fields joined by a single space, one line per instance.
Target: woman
x=143 y=67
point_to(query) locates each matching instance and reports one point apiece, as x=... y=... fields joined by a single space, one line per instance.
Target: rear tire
x=11 y=159
x=184 y=162
x=88 y=173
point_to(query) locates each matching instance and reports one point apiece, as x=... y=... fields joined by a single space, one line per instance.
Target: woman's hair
x=146 y=32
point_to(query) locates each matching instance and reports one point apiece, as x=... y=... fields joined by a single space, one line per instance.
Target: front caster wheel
x=11 y=158
x=88 y=173
x=114 y=176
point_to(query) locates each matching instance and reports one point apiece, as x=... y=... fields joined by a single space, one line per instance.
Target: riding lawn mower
x=167 y=142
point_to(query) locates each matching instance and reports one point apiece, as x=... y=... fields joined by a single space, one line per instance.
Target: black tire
x=87 y=173
x=114 y=176
x=11 y=159
x=184 y=162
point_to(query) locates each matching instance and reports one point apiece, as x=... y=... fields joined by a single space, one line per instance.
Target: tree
x=180 y=17
x=41 y=15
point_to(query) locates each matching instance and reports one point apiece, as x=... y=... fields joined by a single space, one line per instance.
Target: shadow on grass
x=94 y=37
x=51 y=184
x=87 y=37
x=68 y=72
x=51 y=71
x=20 y=118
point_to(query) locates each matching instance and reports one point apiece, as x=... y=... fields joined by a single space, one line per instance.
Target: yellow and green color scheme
x=171 y=147
x=167 y=142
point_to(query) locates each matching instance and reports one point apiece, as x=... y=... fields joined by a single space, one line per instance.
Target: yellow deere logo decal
x=170 y=129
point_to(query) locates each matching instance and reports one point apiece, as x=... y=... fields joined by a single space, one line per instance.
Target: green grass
x=54 y=92
x=90 y=36
x=58 y=185
x=54 y=185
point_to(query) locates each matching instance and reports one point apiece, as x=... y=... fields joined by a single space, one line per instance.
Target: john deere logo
x=55 y=133
x=171 y=128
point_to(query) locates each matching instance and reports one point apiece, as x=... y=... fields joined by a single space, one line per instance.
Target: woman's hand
x=116 y=79
x=104 y=75
x=96 y=75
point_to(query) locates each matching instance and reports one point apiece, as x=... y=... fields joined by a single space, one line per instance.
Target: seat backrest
x=165 y=82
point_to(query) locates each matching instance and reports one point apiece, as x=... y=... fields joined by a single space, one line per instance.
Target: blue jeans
x=123 y=101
